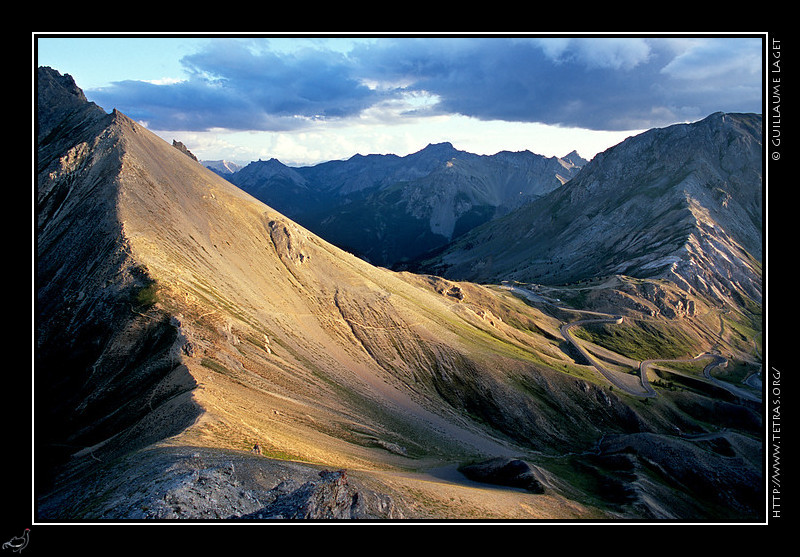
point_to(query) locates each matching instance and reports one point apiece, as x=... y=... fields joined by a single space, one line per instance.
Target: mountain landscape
x=569 y=340
x=682 y=202
x=390 y=210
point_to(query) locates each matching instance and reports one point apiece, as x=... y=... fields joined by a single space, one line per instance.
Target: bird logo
x=18 y=543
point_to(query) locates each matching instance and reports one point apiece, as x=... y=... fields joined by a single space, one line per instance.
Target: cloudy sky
x=305 y=99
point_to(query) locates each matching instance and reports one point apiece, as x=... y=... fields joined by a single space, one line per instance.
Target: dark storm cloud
x=232 y=86
x=597 y=83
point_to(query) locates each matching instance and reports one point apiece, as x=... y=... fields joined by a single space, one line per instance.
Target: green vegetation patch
x=690 y=367
x=145 y=297
x=216 y=366
x=641 y=340
x=735 y=372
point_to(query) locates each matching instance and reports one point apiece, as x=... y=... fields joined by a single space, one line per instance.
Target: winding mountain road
x=596 y=317
x=741 y=393
x=611 y=376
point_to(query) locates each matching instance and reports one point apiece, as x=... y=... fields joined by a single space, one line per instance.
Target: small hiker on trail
x=257 y=448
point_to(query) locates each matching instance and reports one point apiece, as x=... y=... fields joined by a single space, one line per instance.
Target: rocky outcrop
x=507 y=472
x=330 y=496
x=288 y=241
x=183 y=149
x=202 y=484
x=60 y=102
x=217 y=493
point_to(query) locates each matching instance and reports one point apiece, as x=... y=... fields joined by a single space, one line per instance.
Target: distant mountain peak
x=222 y=167
x=574 y=158
x=272 y=161
x=441 y=145
x=438 y=149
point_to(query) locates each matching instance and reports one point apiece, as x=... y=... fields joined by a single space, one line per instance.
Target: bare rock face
x=288 y=243
x=203 y=484
x=217 y=493
x=183 y=149
x=57 y=98
x=329 y=497
x=670 y=303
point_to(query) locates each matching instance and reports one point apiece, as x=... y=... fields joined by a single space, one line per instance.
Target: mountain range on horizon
x=403 y=212
x=536 y=358
x=391 y=209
